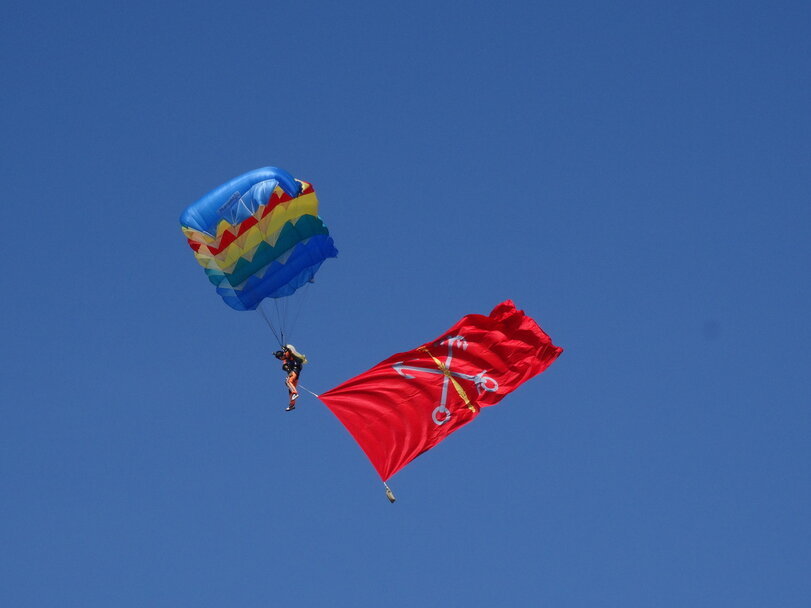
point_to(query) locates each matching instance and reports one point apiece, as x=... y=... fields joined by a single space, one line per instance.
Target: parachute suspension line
x=281 y=315
x=389 y=493
x=276 y=318
x=270 y=325
x=280 y=305
x=301 y=301
x=286 y=319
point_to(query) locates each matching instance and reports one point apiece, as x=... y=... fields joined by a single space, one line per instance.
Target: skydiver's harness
x=291 y=363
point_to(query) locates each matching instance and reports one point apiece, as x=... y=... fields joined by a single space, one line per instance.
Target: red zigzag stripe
x=229 y=237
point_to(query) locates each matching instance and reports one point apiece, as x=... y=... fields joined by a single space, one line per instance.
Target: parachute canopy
x=258 y=236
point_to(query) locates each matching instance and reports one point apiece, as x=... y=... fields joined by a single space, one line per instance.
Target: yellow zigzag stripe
x=223 y=225
x=267 y=230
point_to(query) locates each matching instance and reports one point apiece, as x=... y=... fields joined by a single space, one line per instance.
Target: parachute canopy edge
x=203 y=214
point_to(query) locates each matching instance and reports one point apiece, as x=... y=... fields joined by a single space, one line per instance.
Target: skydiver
x=292 y=360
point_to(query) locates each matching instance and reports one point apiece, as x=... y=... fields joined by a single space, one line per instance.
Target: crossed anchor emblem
x=441 y=413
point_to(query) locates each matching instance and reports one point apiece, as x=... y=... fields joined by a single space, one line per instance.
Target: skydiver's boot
x=292 y=405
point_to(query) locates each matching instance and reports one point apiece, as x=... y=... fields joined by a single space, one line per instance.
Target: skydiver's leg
x=292 y=381
x=292 y=384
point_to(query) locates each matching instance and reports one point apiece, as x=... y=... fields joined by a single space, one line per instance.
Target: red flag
x=410 y=402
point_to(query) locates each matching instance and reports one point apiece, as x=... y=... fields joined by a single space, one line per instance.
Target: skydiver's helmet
x=279 y=354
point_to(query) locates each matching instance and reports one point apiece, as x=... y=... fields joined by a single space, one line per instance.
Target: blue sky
x=634 y=175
